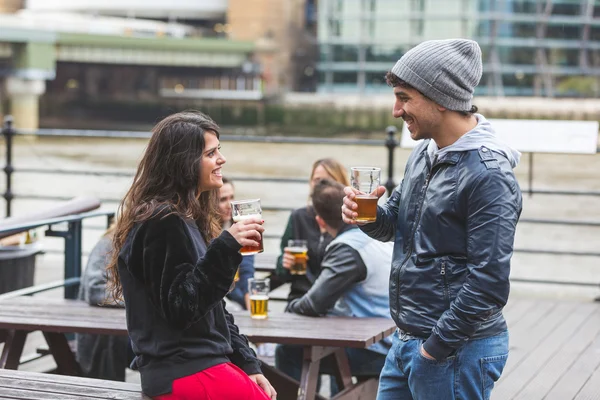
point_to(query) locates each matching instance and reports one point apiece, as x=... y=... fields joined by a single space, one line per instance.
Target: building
x=545 y=48
x=79 y=63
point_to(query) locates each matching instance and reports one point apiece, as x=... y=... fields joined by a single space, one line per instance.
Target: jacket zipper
x=414 y=232
x=446 y=294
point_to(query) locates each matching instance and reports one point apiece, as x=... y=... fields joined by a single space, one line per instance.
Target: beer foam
x=365 y=196
x=297 y=249
x=239 y=218
x=259 y=297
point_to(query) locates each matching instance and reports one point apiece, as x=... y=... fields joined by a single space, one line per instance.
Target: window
x=345 y=77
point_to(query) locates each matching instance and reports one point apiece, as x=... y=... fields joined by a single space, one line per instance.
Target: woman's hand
x=247 y=232
x=264 y=384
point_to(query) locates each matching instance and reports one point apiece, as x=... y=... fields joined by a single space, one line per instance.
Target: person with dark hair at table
x=353 y=282
x=100 y=356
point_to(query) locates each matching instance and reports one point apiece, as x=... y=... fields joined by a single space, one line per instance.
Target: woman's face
x=225 y=197
x=210 y=164
x=320 y=173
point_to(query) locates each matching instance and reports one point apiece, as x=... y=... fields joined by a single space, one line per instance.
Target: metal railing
x=72 y=249
x=391 y=143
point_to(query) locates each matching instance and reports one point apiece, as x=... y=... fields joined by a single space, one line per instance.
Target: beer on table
x=299 y=249
x=246 y=209
x=366 y=180
x=259 y=297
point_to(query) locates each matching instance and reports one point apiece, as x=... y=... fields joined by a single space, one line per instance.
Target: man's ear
x=321 y=223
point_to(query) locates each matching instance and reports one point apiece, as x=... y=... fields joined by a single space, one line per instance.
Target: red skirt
x=221 y=382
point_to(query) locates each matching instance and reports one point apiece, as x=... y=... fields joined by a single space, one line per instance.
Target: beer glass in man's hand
x=259 y=297
x=366 y=181
x=299 y=250
x=243 y=210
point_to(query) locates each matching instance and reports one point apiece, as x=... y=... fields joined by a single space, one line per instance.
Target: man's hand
x=288 y=260
x=425 y=354
x=264 y=384
x=349 y=208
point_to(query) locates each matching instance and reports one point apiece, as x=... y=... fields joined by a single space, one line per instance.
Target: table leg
x=63 y=356
x=13 y=348
x=310 y=373
x=343 y=375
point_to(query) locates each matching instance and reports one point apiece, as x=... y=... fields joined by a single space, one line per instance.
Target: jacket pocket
x=491 y=369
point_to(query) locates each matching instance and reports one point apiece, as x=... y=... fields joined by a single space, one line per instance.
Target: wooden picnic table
x=320 y=337
x=32 y=385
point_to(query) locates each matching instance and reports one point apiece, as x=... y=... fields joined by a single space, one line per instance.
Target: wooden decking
x=554 y=351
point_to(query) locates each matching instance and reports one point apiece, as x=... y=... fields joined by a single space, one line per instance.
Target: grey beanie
x=446 y=71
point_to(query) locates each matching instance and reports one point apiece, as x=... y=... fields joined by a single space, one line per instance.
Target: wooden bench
x=31 y=385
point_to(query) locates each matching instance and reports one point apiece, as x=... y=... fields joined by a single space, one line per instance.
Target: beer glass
x=244 y=209
x=365 y=180
x=237 y=275
x=259 y=297
x=299 y=249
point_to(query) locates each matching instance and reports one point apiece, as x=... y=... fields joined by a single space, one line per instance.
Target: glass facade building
x=530 y=47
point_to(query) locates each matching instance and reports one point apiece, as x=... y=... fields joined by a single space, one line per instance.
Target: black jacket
x=173 y=288
x=303 y=226
x=454 y=224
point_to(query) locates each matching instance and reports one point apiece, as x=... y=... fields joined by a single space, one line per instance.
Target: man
x=453 y=219
x=239 y=293
x=353 y=282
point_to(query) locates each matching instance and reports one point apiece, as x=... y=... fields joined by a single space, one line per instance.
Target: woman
x=173 y=269
x=239 y=293
x=302 y=226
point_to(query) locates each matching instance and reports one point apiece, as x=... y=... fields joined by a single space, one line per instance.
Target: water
x=267 y=160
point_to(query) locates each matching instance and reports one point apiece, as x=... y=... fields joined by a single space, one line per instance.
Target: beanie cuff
x=403 y=72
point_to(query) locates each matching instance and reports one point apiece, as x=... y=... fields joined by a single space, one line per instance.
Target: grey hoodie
x=482 y=135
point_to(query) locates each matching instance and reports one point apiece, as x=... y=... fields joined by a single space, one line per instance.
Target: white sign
x=539 y=136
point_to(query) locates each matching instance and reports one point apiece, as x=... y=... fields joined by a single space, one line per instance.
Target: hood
x=482 y=135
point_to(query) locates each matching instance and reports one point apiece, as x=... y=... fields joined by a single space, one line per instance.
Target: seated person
x=239 y=294
x=301 y=225
x=101 y=356
x=354 y=281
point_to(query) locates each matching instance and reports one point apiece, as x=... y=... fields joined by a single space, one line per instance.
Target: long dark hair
x=168 y=177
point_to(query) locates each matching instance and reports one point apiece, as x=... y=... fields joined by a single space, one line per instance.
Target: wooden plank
x=526 y=340
x=517 y=311
x=67 y=380
x=591 y=390
x=583 y=360
x=540 y=359
x=62 y=389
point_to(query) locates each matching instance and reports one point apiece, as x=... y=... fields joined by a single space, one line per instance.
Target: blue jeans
x=468 y=374
x=363 y=362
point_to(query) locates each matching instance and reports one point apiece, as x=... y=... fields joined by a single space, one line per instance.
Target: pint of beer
x=367 y=208
x=365 y=180
x=299 y=249
x=259 y=297
x=245 y=209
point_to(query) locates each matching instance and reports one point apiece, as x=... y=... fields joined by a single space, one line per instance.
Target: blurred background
x=291 y=81
x=282 y=65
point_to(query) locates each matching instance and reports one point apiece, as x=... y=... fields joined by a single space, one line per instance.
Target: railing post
x=8 y=132
x=391 y=143
x=72 y=254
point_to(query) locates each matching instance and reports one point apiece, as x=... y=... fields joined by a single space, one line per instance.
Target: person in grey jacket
x=453 y=220
x=100 y=356
x=353 y=282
